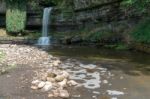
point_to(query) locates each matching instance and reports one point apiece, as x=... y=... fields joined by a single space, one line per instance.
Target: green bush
x=15 y=15
x=141 y=33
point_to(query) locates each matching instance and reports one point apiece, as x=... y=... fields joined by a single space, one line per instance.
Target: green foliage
x=141 y=5
x=15 y=15
x=141 y=33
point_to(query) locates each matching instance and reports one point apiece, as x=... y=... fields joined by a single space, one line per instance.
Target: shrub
x=15 y=15
x=141 y=33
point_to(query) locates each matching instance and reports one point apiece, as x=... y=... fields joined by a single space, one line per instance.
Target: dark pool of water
x=131 y=71
x=123 y=60
x=93 y=53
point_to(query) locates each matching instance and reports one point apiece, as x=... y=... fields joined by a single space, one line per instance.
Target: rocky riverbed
x=48 y=78
x=54 y=76
x=28 y=72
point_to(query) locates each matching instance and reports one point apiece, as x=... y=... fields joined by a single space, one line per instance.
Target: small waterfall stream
x=45 y=39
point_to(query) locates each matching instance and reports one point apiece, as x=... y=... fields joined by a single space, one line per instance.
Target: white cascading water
x=45 y=39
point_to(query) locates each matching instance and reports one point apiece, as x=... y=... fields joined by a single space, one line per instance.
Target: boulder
x=72 y=83
x=51 y=74
x=41 y=84
x=35 y=82
x=34 y=87
x=63 y=83
x=48 y=86
x=59 y=78
x=50 y=79
x=65 y=74
x=56 y=62
x=64 y=94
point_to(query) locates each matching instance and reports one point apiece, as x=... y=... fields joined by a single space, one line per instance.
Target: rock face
x=83 y=4
x=96 y=9
x=86 y=14
x=2 y=13
x=2 y=6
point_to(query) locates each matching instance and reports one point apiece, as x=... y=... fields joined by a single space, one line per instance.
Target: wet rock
x=59 y=78
x=35 y=82
x=65 y=74
x=48 y=86
x=64 y=94
x=72 y=83
x=56 y=62
x=41 y=84
x=76 y=96
x=114 y=92
x=55 y=93
x=55 y=85
x=50 y=79
x=48 y=83
x=34 y=87
x=50 y=95
x=105 y=81
x=59 y=93
x=63 y=83
x=44 y=77
x=51 y=74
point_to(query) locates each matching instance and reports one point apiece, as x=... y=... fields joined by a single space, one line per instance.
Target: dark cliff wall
x=2 y=13
x=84 y=13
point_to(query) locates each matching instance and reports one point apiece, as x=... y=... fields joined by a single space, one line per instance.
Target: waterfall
x=45 y=39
